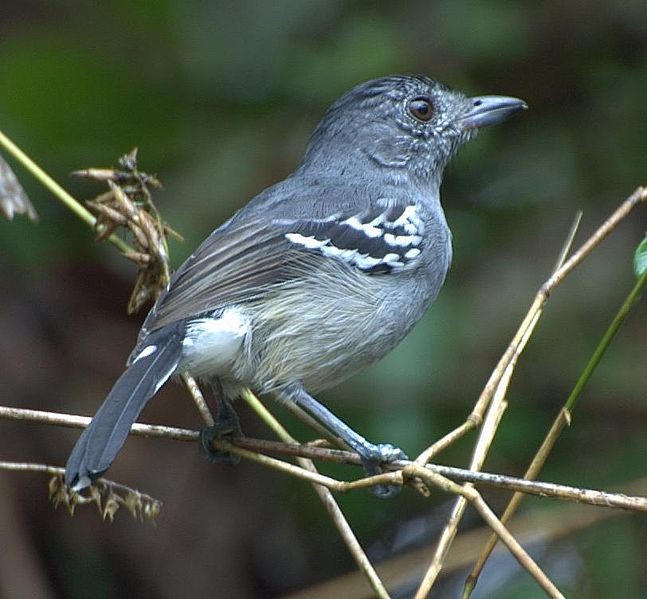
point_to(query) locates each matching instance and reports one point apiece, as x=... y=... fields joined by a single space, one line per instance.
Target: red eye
x=421 y=109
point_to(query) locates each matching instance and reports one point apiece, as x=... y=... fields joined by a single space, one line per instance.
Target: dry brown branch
x=563 y=418
x=535 y=528
x=332 y=507
x=107 y=495
x=198 y=399
x=497 y=384
x=73 y=421
x=476 y=417
x=259 y=448
x=473 y=496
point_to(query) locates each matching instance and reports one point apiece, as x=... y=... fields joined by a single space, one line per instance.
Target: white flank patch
x=147 y=351
x=212 y=344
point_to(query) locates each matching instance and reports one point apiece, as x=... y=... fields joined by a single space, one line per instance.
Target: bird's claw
x=227 y=426
x=372 y=459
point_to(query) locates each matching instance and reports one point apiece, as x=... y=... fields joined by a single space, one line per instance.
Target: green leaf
x=640 y=259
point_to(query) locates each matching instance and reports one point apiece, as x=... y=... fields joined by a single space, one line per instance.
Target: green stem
x=56 y=189
x=267 y=416
x=602 y=347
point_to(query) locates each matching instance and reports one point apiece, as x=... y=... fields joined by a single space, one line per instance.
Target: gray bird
x=315 y=278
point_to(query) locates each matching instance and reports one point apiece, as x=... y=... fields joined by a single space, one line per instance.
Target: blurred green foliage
x=220 y=98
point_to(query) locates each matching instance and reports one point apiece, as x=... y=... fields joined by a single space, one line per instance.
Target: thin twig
x=56 y=189
x=73 y=421
x=532 y=529
x=492 y=419
x=198 y=399
x=476 y=417
x=468 y=493
x=285 y=467
x=639 y=195
x=499 y=481
x=494 y=412
x=58 y=471
x=504 y=368
x=568 y=242
x=338 y=456
x=325 y=495
x=562 y=420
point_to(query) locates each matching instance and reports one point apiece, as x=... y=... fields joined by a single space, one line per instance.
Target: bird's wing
x=244 y=259
x=234 y=264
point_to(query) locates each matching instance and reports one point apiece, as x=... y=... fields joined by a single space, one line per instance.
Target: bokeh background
x=220 y=98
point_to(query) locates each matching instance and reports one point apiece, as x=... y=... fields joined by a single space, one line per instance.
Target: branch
x=258 y=448
x=326 y=497
x=562 y=420
x=538 y=528
x=499 y=379
x=468 y=493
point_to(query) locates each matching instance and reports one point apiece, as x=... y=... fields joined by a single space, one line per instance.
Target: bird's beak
x=490 y=110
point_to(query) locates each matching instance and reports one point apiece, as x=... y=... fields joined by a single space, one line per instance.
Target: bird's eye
x=421 y=109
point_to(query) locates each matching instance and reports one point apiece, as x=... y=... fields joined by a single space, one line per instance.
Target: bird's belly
x=319 y=338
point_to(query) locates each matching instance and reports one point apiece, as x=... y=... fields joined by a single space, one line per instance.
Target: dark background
x=220 y=98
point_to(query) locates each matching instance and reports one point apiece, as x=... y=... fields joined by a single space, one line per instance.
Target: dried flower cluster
x=129 y=204
x=105 y=496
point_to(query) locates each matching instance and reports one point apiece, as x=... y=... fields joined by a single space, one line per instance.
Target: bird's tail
x=101 y=441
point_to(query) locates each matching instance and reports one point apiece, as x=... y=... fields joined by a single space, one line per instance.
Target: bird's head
x=405 y=125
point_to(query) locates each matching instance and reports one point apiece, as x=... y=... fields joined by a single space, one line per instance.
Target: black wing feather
x=244 y=259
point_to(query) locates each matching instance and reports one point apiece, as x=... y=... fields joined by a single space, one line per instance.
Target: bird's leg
x=372 y=455
x=226 y=425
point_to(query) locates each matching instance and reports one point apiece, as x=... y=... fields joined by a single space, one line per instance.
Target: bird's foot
x=373 y=457
x=227 y=425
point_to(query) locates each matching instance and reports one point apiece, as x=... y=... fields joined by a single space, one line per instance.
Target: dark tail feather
x=101 y=441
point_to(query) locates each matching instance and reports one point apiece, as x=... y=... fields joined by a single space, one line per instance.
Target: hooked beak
x=490 y=110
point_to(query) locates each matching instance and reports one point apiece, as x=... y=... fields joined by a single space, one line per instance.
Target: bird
x=317 y=277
